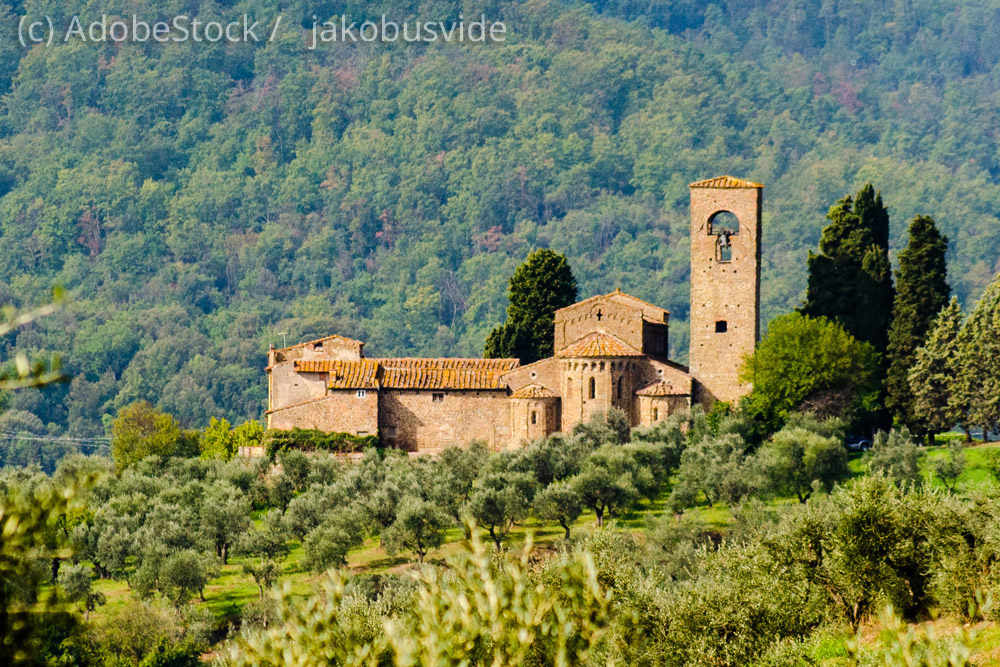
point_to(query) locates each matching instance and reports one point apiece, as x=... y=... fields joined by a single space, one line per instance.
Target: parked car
x=858 y=444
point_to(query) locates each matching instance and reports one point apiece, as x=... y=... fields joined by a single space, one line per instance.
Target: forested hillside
x=200 y=203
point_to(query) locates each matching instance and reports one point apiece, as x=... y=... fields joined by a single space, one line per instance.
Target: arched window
x=656 y=414
x=618 y=389
x=593 y=388
x=724 y=225
x=534 y=417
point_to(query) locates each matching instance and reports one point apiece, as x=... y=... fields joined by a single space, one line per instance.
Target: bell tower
x=725 y=285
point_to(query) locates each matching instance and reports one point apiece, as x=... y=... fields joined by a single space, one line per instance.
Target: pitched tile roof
x=534 y=391
x=725 y=182
x=661 y=388
x=445 y=373
x=412 y=373
x=599 y=344
x=361 y=374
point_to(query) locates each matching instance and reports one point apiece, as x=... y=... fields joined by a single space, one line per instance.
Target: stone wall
x=289 y=387
x=546 y=372
x=341 y=411
x=654 y=409
x=533 y=418
x=600 y=314
x=725 y=295
x=414 y=421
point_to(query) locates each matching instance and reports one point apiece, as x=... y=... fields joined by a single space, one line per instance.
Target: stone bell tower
x=725 y=284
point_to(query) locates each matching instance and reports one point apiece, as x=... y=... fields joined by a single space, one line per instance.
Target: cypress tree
x=921 y=292
x=937 y=400
x=540 y=286
x=850 y=280
x=978 y=378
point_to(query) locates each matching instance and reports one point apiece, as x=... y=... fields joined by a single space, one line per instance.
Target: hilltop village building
x=610 y=351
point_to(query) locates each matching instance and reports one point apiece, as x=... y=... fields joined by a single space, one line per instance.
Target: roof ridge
x=726 y=181
x=318 y=340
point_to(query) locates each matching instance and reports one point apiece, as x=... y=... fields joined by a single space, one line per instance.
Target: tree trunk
x=55 y=569
x=496 y=540
x=599 y=511
x=225 y=554
x=562 y=522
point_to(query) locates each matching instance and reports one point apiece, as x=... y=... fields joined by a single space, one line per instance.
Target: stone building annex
x=610 y=351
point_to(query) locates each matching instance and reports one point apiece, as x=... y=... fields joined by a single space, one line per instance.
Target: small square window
x=721 y=326
x=437 y=398
x=361 y=393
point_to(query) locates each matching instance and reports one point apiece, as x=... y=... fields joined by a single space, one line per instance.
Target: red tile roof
x=599 y=344
x=412 y=373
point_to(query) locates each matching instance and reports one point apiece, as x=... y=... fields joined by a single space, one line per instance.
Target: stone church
x=610 y=351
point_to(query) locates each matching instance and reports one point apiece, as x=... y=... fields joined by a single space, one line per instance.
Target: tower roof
x=599 y=344
x=725 y=182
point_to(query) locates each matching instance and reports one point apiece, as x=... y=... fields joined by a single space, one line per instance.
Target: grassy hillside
x=202 y=202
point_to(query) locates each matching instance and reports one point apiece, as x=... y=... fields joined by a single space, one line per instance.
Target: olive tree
x=796 y=461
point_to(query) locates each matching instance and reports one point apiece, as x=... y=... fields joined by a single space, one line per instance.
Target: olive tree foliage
x=609 y=481
x=796 y=460
x=265 y=547
x=949 y=468
x=717 y=467
x=419 y=527
x=560 y=502
x=30 y=517
x=225 y=516
x=895 y=455
x=77 y=584
x=327 y=545
x=481 y=610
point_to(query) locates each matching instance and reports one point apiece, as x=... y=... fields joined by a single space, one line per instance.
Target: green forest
x=201 y=203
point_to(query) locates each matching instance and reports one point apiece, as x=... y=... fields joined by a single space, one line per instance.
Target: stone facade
x=610 y=352
x=725 y=284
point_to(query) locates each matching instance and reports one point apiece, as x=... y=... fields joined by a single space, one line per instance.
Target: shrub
x=275 y=441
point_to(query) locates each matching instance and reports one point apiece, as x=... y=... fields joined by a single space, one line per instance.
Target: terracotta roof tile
x=599 y=344
x=412 y=373
x=362 y=374
x=534 y=391
x=405 y=373
x=661 y=388
x=725 y=182
x=450 y=363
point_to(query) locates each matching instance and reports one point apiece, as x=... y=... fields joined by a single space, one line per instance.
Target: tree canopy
x=813 y=364
x=200 y=201
x=539 y=287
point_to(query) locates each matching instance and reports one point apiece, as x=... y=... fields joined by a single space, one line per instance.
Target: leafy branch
x=27 y=372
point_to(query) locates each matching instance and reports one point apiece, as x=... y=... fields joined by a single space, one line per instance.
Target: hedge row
x=312 y=439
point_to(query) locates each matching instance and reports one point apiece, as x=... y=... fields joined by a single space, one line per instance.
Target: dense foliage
x=811 y=364
x=540 y=286
x=197 y=202
x=921 y=292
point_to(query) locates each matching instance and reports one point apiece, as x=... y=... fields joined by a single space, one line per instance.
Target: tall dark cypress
x=921 y=292
x=540 y=286
x=850 y=280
